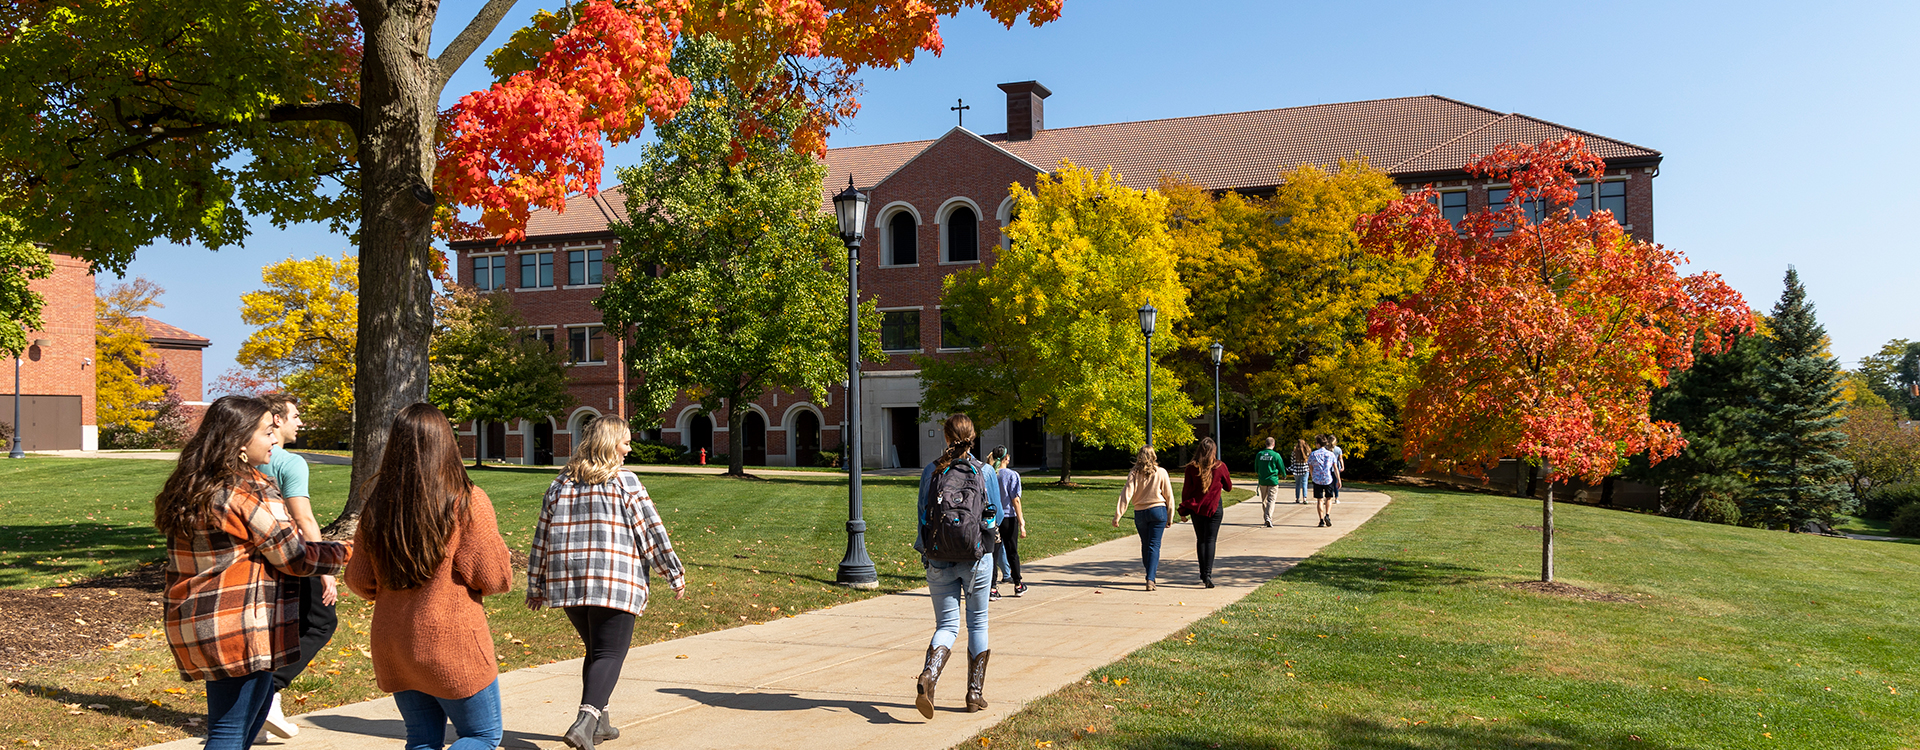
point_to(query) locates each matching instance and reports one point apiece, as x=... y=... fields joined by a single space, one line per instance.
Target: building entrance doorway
x=700 y=435
x=493 y=441
x=806 y=439
x=1029 y=443
x=543 y=443
x=903 y=434
x=753 y=444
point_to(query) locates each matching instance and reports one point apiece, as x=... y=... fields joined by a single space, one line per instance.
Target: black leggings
x=317 y=623
x=607 y=633
x=1206 y=531
x=1010 y=539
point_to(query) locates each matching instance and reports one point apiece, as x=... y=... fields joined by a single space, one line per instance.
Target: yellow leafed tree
x=125 y=401
x=305 y=322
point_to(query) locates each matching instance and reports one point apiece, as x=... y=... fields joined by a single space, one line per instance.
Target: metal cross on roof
x=960 y=108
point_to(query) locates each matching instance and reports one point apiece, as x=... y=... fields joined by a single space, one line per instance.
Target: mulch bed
x=44 y=626
x=1569 y=591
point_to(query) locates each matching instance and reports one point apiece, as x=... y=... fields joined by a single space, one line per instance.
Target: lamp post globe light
x=856 y=569
x=1216 y=350
x=1147 y=316
x=19 y=359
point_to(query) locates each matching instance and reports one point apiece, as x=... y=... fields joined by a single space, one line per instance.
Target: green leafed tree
x=729 y=279
x=1894 y=374
x=21 y=263
x=1056 y=320
x=1796 y=430
x=486 y=367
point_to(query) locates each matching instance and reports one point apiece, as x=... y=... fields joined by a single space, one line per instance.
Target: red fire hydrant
x=703 y=457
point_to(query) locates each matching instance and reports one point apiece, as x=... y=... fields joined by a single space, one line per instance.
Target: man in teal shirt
x=318 y=619
x=1267 y=466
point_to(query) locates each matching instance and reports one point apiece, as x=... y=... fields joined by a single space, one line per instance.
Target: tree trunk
x=1546 y=536
x=396 y=163
x=1066 y=458
x=736 y=440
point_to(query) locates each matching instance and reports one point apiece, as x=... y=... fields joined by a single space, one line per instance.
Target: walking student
x=1150 y=493
x=231 y=616
x=1298 y=468
x=598 y=535
x=1013 y=528
x=318 y=594
x=429 y=549
x=1267 y=467
x=1323 y=468
x=1333 y=444
x=959 y=506
x=1207 y=477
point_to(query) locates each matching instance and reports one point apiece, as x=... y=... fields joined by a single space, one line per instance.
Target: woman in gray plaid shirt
x=599 y=534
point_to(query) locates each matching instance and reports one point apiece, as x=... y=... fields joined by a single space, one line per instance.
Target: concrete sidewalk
x=843 y=677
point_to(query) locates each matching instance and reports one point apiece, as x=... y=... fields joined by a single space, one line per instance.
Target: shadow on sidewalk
x=791 y=702
x=397 y=729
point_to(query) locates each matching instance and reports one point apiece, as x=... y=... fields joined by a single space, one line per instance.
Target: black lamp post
x=1147 y=315
x=44 y=345
x=1216 y=350
x=856 y=569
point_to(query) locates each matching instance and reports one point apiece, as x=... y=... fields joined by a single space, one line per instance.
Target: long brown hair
x=416 y=499
x=209 y=465
x=1301 y=451
x=959 y=430
x=596 y=451
x=1205 y=457
x=1145 y=461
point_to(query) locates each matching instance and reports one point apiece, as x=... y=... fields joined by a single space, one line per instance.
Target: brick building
x=56 y=377
x=938 y=205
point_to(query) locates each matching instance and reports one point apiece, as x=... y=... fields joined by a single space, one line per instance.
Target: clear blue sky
x=1787 y=127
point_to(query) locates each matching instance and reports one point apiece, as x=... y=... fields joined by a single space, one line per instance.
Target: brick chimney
x=1025 y=109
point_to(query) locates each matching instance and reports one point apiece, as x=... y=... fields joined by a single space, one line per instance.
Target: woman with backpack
x=1207 y=477
x=598 y=534
x=231 y=550
x=959 y=506
x=429 y=550
x=1151 y=494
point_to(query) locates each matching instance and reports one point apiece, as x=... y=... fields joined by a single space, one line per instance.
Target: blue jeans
x=236 y=709
x=476 y=718
x=945 y=580
x=1150 y=523
x=1300 y=487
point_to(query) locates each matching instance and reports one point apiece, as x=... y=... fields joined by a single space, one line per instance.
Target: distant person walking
x=1150 y=493
x=1298 y=468
x=1207 y=477
x=1267 y=467
x=1333 y=444
x=1323 y=468
x=317 y=594
x=598 y=535
x=1013 y=527
x=958 y=509
x=429 y=549
x=231 y=614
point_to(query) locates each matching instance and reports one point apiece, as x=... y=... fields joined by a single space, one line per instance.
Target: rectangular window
x=1613 y=197
x=583 y=267
x=950 y=335
x=1453 y=206
x=546 y=336
x=585 y=344
x=900 y=330
x=490 y=272
x=536 y=270
x=1497 y=201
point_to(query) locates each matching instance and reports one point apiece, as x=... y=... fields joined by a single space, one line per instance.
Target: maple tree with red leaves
x=1544 y=340
x=123 y=124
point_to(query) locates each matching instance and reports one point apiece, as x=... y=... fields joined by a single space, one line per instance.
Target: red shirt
x=1196 y=499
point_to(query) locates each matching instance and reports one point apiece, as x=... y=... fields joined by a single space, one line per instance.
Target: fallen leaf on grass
x=176 y=691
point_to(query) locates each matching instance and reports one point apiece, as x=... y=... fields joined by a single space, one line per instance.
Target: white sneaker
x=277 y=722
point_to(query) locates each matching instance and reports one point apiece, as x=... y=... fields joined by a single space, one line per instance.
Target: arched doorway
x=543 y=443
x=753 y=443
x=700 y=434
x=806 y=439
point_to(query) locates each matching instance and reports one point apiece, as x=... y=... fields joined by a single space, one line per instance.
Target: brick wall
x=184 y=363
x=65 y=367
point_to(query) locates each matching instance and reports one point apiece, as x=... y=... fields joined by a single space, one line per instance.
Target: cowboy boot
x=976 y=681
x=606 y=730
x=580 y=735
x=936 y=661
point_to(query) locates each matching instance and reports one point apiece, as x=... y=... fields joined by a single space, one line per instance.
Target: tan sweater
x=434 y=638
x=1144 y=494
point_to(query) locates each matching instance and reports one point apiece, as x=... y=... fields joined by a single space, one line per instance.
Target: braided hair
x=960 y=440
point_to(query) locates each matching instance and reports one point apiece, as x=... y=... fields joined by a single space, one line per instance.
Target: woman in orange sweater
x=428 y=551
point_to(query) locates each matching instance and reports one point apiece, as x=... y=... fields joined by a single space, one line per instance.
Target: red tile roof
x=158 y=331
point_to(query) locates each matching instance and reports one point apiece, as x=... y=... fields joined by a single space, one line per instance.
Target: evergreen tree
x=1795 y=426
x=1711 y=403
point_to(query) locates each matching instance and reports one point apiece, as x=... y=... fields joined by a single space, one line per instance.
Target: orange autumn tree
x=1546 y=338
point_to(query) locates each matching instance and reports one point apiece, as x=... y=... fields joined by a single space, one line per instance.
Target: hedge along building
x=937 y=206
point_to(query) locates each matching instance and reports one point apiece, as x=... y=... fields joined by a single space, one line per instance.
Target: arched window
x=903 y=240
x=963 y=235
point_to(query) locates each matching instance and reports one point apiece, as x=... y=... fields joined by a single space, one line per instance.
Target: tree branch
x=469 y=39
x=333 y=111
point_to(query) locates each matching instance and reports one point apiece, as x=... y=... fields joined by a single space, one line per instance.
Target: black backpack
x=955 y=528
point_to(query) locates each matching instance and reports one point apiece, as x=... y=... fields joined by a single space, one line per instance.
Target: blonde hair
x=596 y=453
x=1145 y=461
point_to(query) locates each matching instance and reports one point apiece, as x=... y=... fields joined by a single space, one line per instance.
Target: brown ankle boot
x=930 y=676
x=977 y=681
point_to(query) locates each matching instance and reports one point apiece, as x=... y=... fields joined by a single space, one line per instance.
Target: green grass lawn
x=1402 y=635
x=755 y=551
